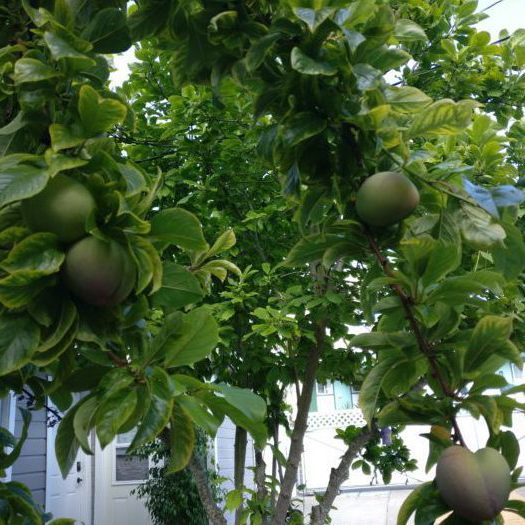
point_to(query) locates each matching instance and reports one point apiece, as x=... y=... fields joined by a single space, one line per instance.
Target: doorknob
x=79 y=480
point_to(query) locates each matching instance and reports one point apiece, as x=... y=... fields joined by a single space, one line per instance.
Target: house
x=97 y=490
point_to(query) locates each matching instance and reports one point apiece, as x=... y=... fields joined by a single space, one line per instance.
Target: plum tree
x=475 y=485
x=100 y=273
x=386 y=198
x=61 y=208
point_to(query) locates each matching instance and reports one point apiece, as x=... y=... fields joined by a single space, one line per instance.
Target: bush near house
x=265 y=118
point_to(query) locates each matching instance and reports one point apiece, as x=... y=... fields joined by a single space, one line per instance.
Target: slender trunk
x=214 y=513
x=338 y=476
x=260 y=481
x=299 y=429
x=241 y=441
x=278 y=465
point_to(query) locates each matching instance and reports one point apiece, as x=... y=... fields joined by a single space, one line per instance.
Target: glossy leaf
x=182 y=439
x=98 y=114
x=19 y=338
x=179 y=288
x=186 y=338
x=179 y=227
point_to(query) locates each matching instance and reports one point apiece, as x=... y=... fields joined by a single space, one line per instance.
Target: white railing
x=335 y=419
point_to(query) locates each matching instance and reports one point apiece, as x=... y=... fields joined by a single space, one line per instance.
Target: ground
x=371 y=507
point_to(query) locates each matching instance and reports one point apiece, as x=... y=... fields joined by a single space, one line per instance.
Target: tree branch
x=424 y=345
x=214 y=513
x=240 y=445
x=299 y=429
x=338 y=475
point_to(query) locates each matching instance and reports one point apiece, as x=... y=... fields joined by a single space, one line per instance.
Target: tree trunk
x=214 y=513
x=299 y=429
x=241 y=441
x=338 y=476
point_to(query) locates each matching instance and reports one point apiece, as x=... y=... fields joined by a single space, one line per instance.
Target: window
x=129 y=469
x=326 y=389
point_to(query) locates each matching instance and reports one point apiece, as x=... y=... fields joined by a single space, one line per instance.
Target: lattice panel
x=337 y=419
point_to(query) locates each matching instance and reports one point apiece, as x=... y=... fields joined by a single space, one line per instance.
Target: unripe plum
x=62 y=208
x=475 y=485
x=386 y=198
x=100 y=273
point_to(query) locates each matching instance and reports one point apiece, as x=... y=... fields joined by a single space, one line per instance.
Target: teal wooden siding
x=313 y=403
x=343 y=396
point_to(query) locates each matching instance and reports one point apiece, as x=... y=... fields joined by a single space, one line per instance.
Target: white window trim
x=114 y=480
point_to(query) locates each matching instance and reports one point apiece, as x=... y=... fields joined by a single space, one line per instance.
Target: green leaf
x=61 y=49
x=443 y=117
x=84 y=421
x=186 y=338
x=407 y=99
x=516 y=506
x=220 y=407
x=38 y=253
x=20 y=181
x=258 y=51
x=413 y=502
x=199 y=414
x=179 y=288
x=306 y=65
x=63 y=521
x=98 y=114
x=114 y=410
x=19 y=338
x=458 y=290
x=182 y=439
x=66 y=443
x=179 y=227
x=66 y=317
x=372 y=385
x=509 y=259
x=63 y=137
x=224 y=242
x=6 y=460
x=32 y=70
x=159 y=411
x=490 y=334
x=313 y=247
x=408 y=31
x=313 y=17
x=19 y=289
x=444 y=259
x=510 y=448
x=479 y=229
x=301 y=127
x=233 y=500
x=108 y=31
x=250 y=404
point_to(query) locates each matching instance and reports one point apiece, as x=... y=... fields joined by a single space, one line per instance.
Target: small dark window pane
x=130 y=468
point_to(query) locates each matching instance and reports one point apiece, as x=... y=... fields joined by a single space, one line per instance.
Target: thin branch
x=339 y=475
x=424 y=345
x=32 y=398
x=299 y=429
x=214 y=513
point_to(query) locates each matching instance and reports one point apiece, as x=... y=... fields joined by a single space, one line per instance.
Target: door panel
x=115 y=478
x=70 y=497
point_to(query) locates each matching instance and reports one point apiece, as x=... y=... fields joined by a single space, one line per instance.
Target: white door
x=116 y=475
x=70 y=497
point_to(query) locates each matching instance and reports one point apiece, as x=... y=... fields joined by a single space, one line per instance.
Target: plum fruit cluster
x=99 y=272
x=476 y=486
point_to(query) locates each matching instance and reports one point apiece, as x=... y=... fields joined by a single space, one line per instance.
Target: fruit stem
x=424 y=345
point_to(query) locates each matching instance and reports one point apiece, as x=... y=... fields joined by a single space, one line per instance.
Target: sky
x=507 y=14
